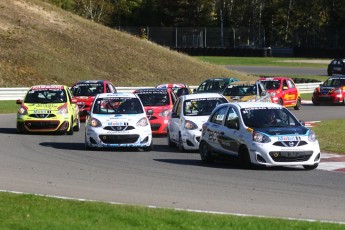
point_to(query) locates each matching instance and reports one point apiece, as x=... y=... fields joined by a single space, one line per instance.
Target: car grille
x=285 y=156
x=325 y=99
x=118 y=128
x=119 y=139
x=289 y=143
x=37 y=125
x=44 y=115
x=155 y=127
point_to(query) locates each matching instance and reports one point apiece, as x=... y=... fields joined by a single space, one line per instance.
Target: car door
x=214 y=128
x=290 y=92
x=229 y=134
x=174 y=122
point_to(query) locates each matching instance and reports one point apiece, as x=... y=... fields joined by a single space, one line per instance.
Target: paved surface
x=332 y=162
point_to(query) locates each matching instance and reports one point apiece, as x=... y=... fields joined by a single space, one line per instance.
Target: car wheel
x=281 y=102
x=148 y=148
x=298 y=104
x=244 y=158
x=77 y=127
x=180 y=144
x=70 y=131
x=205 y=152
x=170 y=143
x=87 y=146
x=315 y=102
x=310 y=167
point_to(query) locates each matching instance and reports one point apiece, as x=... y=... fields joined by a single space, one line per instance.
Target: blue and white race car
x=118 y=120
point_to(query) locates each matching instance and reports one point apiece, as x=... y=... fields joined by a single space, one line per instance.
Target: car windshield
x=271 y=84
x=201 y=106
x=334 y=82
x=240 y=90
x=46 y=96
x=268 y=117
x=154 y=98
x=87 y=89
x=117 y=105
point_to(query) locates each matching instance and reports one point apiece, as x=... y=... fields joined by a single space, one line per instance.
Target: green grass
x=8 y=107
x=263 y=61
x=37 y=212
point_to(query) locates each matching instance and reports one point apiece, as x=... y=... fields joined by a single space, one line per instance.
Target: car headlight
x=260 y=137
x=164 y=113
x=22 y=110
x=311 y=136
x=95 y=122
x=63 y=109
x=190 y=125
x=143 y=122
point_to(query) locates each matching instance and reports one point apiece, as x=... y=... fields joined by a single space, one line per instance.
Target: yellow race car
x=48 y=108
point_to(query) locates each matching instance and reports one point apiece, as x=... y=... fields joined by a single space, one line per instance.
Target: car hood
x=48 y=106
x=198 y=120
x=158 y=109
x=84 y=98
x=273 y=131
x=240 y=98
x=327 y=89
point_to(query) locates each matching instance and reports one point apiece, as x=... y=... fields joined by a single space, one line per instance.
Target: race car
x=332 y=91
x=85 y=91
x=246 y=91
x=283 y=91
x=158 y=104
x=48 y=108
x=258 y=134
x=117 y=120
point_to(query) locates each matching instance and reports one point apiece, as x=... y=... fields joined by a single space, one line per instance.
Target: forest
x=278 y=23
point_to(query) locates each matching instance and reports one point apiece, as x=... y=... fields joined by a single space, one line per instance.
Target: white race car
x=186 y=119
x=118 y=120
x=259 y=133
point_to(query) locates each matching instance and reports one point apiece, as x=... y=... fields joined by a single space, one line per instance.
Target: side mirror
x=149 y=112
x=174 y=115
x=285 y=88
x=302 y=122
x=19 y=101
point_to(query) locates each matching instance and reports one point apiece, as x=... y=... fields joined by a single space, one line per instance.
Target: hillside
x=42 y=44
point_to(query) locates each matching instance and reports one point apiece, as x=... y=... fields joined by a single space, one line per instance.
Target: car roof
x=221 y=79
x=37 y=87
x=244 y=105
x=201 y=95
x=243 y=83
x=151 y=90
x=111 y=95
x=273 y=78
x=90 y=81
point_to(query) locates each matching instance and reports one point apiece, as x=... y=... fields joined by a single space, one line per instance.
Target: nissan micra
x=117 y=120
x=187 y=117
x=258 y=133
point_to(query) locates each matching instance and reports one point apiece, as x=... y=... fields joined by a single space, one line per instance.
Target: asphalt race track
x=58 y=165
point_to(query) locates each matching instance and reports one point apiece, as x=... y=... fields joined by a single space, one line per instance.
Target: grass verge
x=37 y=212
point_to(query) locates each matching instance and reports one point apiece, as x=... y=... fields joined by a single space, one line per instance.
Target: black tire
x=298 y=104
x=180 y=144
x=310 y=167
x=148 y=148
x=70 y=131
x=170 y=143
x=87 y=146
x=281 y=102
x=77 y=127
x=315 y=102
x=244 y=158
x=205 y=152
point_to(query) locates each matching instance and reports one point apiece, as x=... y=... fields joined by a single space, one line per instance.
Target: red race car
x=283 y=91
x=332 y=91
x=85 y=91
x=158 y=104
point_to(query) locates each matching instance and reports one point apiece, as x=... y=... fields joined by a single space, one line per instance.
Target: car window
x=231 y=119
x=201 y=106
x=290 y=84
x=218 y=115
x=158 y=98
x=268 y=117
x=117 y=105
x=46 y=96
x=271 y=84
x=87 y=89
